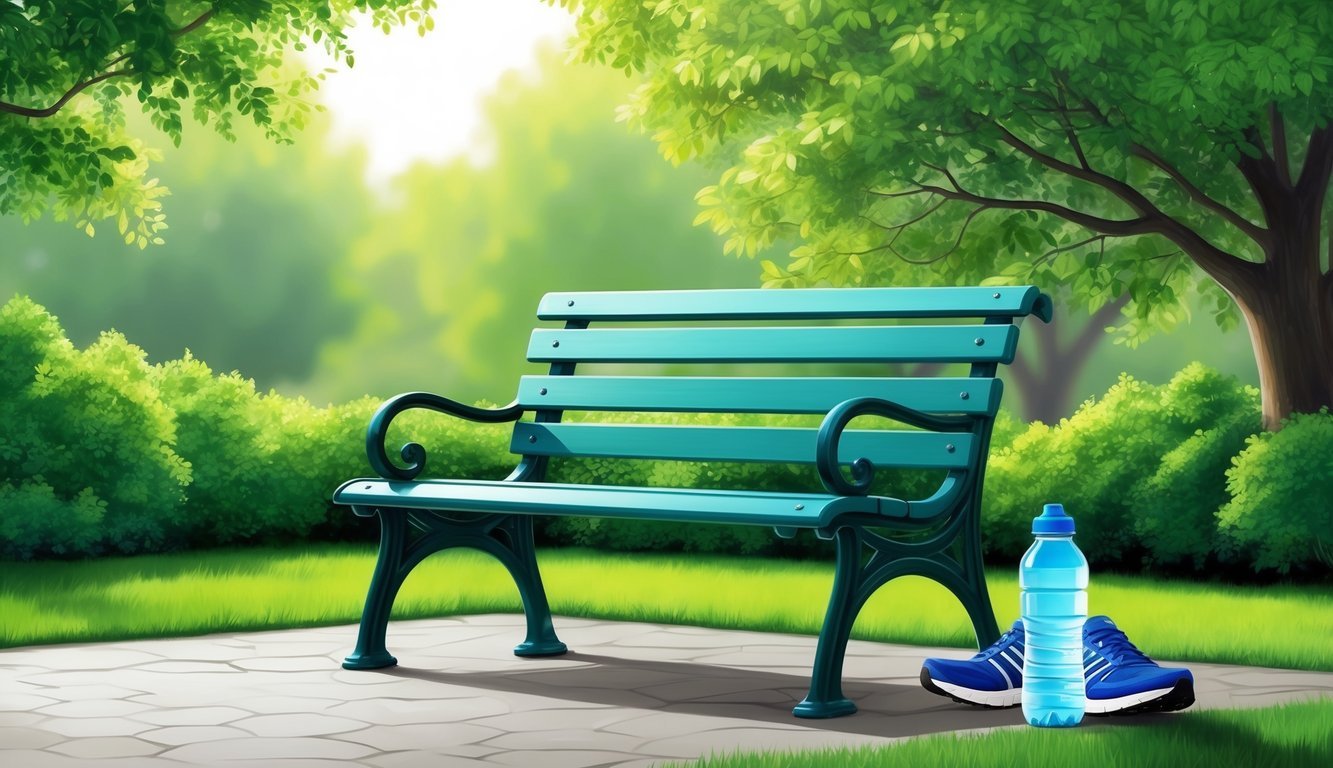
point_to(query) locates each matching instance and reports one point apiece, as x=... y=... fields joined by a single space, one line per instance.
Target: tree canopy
x=66 y=67
x=1099 y=148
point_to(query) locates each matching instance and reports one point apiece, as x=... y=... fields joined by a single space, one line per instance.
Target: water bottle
x=1054 y=582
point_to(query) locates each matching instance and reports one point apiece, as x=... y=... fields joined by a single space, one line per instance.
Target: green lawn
x=227 y=590
x=1284 y=736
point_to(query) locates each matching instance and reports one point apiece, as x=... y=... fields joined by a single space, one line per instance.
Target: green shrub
x=1176 y=508
x=90 y=420
x=1282 y=495
x=1108 y=464
x=35 y=523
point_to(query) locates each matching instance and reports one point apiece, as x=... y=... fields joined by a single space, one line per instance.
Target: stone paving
x=628 y=694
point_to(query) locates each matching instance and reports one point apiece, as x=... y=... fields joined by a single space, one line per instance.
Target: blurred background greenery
x=321 y=277
x=284 y=263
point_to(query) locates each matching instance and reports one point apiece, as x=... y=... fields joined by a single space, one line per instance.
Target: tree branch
x=77 y=88
x=1318 y=166
x=1256 y=233
x=945 y=172
x=71 y=93
x=907 y=193
x=1222 y=266
x=1132 y=197
x=197 y=23
x=1113 y=227
x=1278 y=130
x=890 y=228
x=957 y=240
x=1072 y=246
x=1062 y=114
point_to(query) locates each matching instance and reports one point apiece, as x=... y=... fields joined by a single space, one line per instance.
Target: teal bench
x=877 y=538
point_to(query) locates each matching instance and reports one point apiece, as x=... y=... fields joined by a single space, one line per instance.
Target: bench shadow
x=887 y=709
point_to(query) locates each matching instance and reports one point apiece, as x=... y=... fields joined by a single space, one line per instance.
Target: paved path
x=629 y=694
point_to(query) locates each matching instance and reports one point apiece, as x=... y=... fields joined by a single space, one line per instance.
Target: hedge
x=103 y=453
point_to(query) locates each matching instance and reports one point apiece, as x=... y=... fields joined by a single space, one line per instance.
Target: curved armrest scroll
x=413 y=453
x=863 y=472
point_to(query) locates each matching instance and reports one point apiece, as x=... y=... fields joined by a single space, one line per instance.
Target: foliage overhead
x=66 y=65
x=1098 y=145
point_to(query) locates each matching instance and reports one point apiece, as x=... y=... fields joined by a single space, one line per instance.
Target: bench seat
x=777 y=510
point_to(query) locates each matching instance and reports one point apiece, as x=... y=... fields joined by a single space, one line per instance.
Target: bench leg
x=973 y=595
x=508 y=539
x=371 y=652
x=522 y=565
x=854 y=583
x=825 y=698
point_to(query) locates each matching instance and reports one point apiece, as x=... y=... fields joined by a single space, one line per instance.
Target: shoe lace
x=1115 y=646
x=1000 y=644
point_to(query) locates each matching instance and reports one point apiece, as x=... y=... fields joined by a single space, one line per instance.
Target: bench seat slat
x=912 y=343
x=928 y=450
x=702 y=394
x=812 y=303
x=670 y=504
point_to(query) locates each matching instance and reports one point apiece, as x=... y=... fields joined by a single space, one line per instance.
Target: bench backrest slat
x=763 y=444
x=697 y=394
x=810 y=303
x=914 y=343
x=638 y=331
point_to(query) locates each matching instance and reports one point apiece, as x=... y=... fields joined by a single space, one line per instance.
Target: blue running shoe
x=1122 y=680
x=992 y=678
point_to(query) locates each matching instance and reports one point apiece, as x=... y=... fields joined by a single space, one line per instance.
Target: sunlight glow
x=413 y=98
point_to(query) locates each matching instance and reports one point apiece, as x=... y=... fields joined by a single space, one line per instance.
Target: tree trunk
x=1287 y=300
x=1290 y=317
x=1047 y=384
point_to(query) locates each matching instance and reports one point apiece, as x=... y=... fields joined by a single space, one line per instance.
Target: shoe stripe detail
x=1094 y=669
x=1007 y=678
x=1017 y=663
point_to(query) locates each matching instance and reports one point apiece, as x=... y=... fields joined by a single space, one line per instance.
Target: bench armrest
x=863 y=472
x=413 y=453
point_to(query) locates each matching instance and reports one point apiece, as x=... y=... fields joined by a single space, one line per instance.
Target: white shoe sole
x=1110 y=706
x=1007 y=698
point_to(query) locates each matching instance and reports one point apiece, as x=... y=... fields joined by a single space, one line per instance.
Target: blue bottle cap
x=1053 y=521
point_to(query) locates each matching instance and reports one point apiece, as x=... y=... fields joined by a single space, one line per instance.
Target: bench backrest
x=756 y=335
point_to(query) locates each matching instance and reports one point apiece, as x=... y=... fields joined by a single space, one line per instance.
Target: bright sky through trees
x=414 y=97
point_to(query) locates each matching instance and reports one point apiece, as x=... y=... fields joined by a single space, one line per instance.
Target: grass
x=1283 y=736
x=234 y=590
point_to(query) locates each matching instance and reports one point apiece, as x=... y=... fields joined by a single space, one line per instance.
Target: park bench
x=876 y=538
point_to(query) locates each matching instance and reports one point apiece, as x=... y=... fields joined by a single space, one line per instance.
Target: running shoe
x=1119 y=678
x=1122 y=680
x=992 y=678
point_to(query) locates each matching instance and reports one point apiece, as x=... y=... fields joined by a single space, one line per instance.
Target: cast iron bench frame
x=953 y=417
